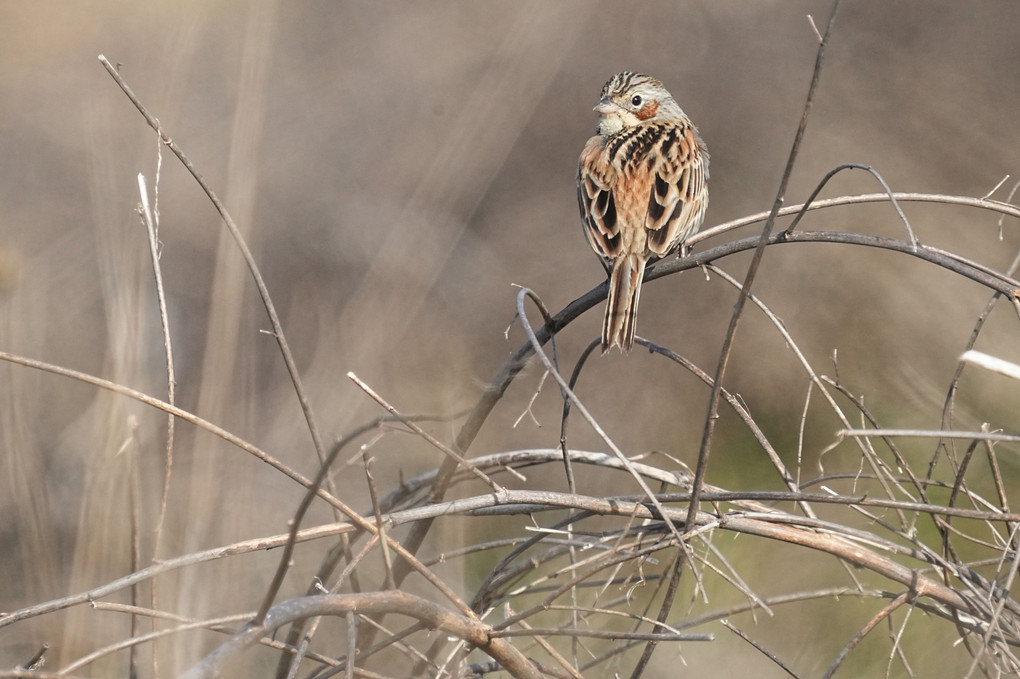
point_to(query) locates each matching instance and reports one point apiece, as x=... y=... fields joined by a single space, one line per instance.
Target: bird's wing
x=678 y=197
x=596 y=201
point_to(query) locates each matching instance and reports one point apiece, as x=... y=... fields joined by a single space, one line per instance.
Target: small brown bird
x=642 y=188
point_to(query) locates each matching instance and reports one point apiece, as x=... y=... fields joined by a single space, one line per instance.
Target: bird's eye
x=636 y=100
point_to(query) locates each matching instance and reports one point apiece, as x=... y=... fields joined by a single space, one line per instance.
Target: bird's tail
x=621 y=309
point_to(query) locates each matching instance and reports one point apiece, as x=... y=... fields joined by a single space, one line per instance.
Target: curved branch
x=999 y=207
x=431 y=615
x=242 y=247
x=978 y=273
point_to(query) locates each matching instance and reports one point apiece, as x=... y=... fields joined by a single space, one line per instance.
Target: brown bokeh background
x=398 y=169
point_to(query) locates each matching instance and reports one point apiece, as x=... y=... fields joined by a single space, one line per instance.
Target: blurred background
x=399 y=169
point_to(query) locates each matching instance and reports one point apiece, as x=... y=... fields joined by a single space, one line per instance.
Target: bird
x=642 y=188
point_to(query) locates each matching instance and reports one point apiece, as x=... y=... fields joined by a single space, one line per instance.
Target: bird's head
x=630 y=99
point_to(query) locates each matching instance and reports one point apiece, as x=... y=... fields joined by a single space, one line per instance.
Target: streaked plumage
x=642 y=189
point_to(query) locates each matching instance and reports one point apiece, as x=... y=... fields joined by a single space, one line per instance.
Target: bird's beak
x=606 y=107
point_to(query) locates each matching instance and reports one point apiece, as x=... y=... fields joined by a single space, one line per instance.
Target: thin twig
x=665 y=608
x=150 y=216
x=167 y=408
x=763 y=240
x=260 y=284
x=1003 y=209
x=539 y=635
x=861 y=633
x=295 y=524
x=761 y=649
x=601 y=634
x=874 y=173
x=993 y=363
x=947 y=405
x=592 y=422
x=379 y=523
x=301 y=639
x=413 y=426
x=932 y=434
x=574 y=376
